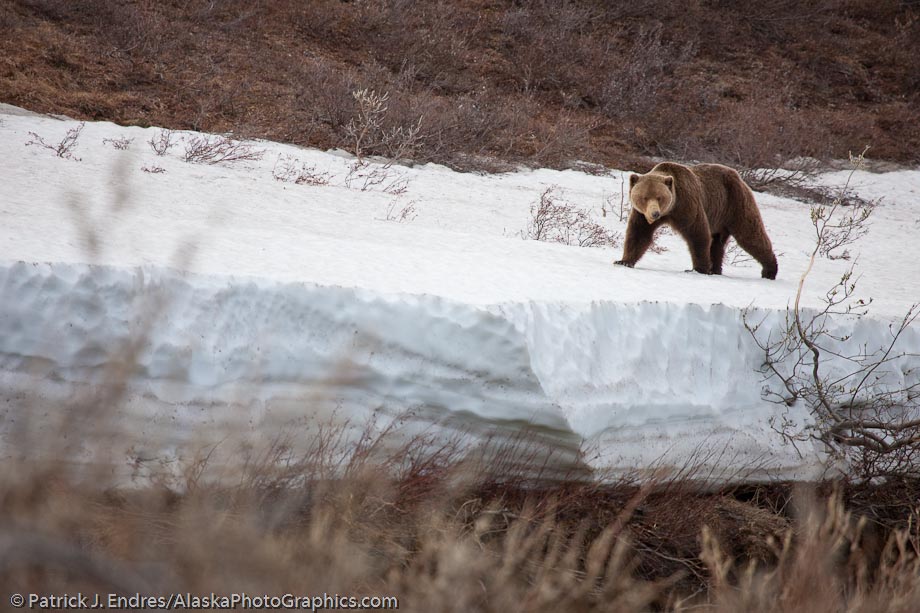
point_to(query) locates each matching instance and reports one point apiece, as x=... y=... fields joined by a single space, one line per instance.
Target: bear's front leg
x=639 y=235
x=699 y=242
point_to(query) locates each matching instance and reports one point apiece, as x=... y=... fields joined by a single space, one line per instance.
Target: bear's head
x=652 y=195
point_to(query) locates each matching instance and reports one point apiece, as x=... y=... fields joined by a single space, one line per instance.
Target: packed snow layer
x=260 y=303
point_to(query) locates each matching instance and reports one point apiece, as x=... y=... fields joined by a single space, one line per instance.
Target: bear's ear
x=633 y=179
x=669 y=181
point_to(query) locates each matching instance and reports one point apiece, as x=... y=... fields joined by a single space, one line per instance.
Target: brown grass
x=443 y=530
x=488 y=82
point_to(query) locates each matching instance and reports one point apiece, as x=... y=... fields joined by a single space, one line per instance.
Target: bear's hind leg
x=759 y=246
x=717 y=251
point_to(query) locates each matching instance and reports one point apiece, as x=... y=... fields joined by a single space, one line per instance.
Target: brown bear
x=705 y=204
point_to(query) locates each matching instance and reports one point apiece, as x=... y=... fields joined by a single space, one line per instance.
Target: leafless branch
x=217 y=149
x=162 y=141
x=288 y=169
x=557 y=221
x=64 y=148
x=121 y=143
x=866 y=407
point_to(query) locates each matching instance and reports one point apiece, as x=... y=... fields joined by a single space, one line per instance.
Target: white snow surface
x=262 y=303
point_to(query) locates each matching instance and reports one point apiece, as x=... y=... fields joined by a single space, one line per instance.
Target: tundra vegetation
x=489 y=85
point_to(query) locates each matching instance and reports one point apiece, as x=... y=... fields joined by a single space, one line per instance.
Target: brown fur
x=706 y=204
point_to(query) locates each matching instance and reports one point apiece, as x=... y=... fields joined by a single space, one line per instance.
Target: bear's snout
x=652 y=211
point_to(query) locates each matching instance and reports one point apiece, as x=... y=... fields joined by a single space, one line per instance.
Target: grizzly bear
x=706 y=204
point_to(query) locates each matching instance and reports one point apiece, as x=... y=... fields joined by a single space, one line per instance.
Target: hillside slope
x=487 y=82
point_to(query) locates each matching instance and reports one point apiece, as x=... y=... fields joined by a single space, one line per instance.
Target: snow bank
x=262 y=303
x=642 y=385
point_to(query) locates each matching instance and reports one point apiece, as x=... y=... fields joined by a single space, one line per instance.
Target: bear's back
x=728 y=199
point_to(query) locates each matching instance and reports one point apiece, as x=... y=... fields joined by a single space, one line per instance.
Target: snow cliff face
x=640 y=385
x=303 y=304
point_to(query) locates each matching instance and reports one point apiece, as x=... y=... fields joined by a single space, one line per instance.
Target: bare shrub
x=465 y=133
x=219 y=149
x=128 y=27
x=370 y=110
x=326 y=89
x=481 y=133
x=635 y=86
x=769 y=142
x=162 y=141
x=64 y=148
x=401 y=212
x=789 y=173
x=397 y=187
x=553 y=42
x=837 y=226
x=121 y=143
x=288 y=169
x=865 y=404
x=371 y=131
x=141 y=28
x=441 y=47
x=365 y=176
x=558 y=221
x=401 y=141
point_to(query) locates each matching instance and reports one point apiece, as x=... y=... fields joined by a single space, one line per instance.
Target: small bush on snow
x=368 y=177
x=289 y=169
x=367 y=131
x=217 y=149
x=558 y=221
x=401 y=214
x=162 y=141
x=63 y=149
x=121 y=143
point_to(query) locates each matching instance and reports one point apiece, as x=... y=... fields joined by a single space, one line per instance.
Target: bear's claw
x=624 y=263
